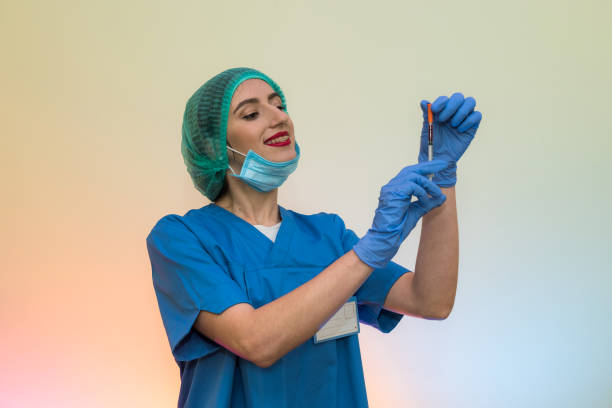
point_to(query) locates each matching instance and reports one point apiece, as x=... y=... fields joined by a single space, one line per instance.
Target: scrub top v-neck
x=273 y=250
x=210 y=259
x=269 y=231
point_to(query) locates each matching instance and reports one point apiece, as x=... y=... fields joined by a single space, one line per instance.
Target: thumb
x=429 y=167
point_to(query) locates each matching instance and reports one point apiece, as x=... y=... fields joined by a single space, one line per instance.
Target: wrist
x=366 y=256
x=358 y=261
x=446 y=177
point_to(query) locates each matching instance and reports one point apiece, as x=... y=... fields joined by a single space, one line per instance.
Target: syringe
x=430 y=142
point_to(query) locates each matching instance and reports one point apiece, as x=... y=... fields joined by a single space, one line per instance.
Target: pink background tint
x=91 y=101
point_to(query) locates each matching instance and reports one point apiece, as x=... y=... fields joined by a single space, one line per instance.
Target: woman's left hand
x=454 y=125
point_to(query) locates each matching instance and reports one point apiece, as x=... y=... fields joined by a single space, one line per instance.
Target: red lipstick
x=285 y=143
x=283 y=133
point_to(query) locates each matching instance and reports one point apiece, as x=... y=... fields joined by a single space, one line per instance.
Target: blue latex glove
x=396 y=215
x=454 y=125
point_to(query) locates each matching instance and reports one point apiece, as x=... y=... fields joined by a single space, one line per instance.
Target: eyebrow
x=254 y=100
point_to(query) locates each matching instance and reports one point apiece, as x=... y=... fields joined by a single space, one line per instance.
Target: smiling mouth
x=277 y=140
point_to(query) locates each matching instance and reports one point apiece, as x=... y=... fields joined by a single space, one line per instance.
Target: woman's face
x=250 y=123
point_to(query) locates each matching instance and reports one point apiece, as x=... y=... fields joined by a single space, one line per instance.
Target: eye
x=250 y=116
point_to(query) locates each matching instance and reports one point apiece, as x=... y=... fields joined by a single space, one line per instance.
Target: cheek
x=245 y=134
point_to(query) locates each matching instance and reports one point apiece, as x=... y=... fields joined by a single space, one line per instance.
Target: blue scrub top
x=210 y=259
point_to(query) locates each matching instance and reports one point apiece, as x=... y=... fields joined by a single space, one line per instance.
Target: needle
x=430 y=143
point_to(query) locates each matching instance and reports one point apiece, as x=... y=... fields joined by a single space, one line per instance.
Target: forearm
x=288 y=321
x=437 y=263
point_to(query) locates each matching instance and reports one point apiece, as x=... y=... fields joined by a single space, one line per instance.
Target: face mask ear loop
x=228 y=165
x=235 y=151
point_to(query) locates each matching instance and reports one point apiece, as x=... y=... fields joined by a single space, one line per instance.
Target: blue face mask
x=265 y=175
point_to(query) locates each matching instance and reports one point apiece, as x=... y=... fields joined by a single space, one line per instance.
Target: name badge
x=343 y=323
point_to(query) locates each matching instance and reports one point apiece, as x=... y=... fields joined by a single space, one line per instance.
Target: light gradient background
x=92 y=97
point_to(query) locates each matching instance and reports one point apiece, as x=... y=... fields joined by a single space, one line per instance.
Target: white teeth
x=278 y=140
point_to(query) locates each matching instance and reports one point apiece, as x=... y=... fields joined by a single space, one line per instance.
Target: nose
x=279 y=116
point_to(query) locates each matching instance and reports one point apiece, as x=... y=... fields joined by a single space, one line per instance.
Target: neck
x=253 y=206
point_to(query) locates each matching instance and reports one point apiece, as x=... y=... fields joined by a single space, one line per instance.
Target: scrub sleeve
x=186 y=280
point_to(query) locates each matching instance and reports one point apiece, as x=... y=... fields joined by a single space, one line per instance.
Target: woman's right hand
x=396 y=215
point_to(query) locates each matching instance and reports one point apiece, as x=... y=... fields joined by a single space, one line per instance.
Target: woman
x=245 y=287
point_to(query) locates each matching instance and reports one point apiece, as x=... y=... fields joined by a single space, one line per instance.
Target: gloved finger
x=435 y=202
x=431 y=187
x=464 y=110
x=441 y=199
x=423 y=168
x=439 y=104
x=428 y=167
x=398 y=195
x=423 y=205
x=399 y=185
x=453 y=104
x=403 y=173
x=472 y=121
x=424 y=103
x=418 y=191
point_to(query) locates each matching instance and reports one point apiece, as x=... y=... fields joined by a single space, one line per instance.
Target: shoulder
x=172 y=224
x=167 y=221
x=166 y=230
x=319 y=219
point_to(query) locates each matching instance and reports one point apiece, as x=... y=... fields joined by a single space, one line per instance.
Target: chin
x=286 y=157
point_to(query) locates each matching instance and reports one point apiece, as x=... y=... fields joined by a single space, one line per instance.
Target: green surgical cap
x=205 y=128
